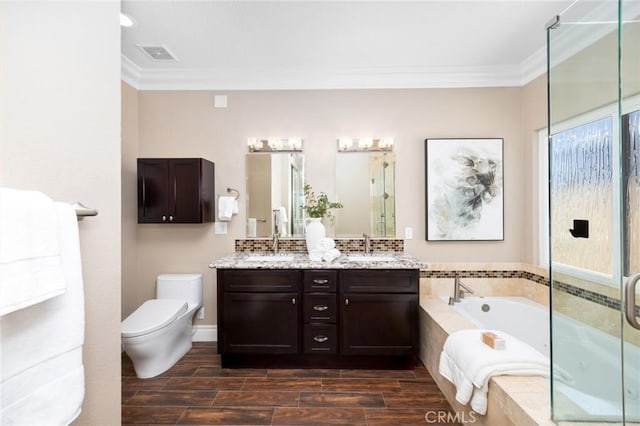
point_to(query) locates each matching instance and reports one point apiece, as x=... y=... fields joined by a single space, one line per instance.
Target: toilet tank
x=180 y=286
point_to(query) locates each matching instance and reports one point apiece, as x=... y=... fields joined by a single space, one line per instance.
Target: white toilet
x=158 y=333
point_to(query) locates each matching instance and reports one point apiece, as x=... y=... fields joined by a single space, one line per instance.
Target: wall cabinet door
x=175 y=190
x=379 y=324
x=260 y=323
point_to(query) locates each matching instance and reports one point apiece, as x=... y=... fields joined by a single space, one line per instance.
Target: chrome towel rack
x=237 y=193
x=82 y=211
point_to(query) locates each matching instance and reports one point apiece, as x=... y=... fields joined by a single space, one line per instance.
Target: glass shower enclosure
x=594 y=200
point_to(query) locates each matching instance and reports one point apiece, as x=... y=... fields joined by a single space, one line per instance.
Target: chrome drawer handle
x=321 y=339
x=320 y=308
x=318 y=281
x=293 y=300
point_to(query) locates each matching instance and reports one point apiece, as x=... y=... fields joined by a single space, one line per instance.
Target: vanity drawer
x=320 y=339
x=320 y=308
x=379 y=281
x=317 y=280
x=260 y=280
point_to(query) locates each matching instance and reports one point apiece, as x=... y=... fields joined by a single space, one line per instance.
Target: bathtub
x=587 y=358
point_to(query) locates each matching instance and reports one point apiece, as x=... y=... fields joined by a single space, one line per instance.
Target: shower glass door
x=594 y=178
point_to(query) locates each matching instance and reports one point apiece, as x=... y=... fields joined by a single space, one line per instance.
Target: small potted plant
x=317 y=207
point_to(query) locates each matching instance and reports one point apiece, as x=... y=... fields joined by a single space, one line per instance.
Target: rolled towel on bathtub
x=469 y=364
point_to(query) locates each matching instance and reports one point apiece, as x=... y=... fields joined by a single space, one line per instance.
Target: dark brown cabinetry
x=318 y=318
x=176 y=190
x=259 y=312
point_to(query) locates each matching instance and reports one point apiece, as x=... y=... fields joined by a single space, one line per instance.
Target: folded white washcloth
x=225 y=207
x=326 y=244
x=316 y=255
x=331 y=255
x=469 y=364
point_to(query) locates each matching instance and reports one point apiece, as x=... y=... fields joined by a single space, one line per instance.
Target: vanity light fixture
x=365 y=145
x=274 y=144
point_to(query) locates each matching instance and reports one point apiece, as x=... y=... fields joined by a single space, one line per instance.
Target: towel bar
x=82 y=210
x=234 y=190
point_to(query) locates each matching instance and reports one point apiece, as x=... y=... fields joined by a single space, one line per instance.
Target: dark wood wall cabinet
x=322 y=318
x=176 y=190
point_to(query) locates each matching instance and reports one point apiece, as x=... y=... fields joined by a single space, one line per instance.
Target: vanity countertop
x=240 y=260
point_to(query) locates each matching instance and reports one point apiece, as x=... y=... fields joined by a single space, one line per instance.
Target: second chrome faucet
x=459 y=290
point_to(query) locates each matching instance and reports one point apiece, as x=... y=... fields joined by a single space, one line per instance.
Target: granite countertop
x=302 y=261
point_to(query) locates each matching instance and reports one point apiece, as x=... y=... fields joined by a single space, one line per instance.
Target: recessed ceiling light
x=125 y=20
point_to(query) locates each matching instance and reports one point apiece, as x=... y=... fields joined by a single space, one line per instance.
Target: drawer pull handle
x=321 y=339
x=320 y=308
x=293 y=300
x=164 y=218
x=318 y=281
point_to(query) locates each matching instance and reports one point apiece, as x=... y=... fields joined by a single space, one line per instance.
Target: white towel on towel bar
x=226 y=206
x=30 y=268
x=41 y=373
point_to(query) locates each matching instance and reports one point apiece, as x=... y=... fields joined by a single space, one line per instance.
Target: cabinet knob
x=320 y=308
x=164 y=218
x=346 y=301
x=293 y=300
x=321 y=339
x=171 y=218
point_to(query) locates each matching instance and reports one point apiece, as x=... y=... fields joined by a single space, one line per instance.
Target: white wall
x=60 y=133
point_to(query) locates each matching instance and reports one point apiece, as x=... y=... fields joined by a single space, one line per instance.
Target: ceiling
x=226 y=45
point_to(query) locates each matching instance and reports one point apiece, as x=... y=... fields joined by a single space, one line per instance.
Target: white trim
x=584 y=274
x=206 y=333
x=298 y=79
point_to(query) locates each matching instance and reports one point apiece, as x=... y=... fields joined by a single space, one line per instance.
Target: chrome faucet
x=367 y=243
x=275 y=242
x=459 y=289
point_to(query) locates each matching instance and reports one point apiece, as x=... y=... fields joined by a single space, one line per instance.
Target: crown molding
x=361 y=78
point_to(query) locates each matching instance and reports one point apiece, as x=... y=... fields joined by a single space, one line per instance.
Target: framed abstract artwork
x=464 y=190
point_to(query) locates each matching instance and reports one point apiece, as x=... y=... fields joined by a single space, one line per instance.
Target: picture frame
x=464 y=189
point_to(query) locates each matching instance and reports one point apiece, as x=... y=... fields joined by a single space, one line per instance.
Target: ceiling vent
x=158 y=53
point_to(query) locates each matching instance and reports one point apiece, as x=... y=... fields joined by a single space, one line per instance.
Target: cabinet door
x=153 y=191
x=184 y=190
x=260 y=323
x=379 y=324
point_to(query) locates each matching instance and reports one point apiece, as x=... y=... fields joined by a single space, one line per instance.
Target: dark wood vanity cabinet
x=322 y=318
x=259 y=313
x=176 y=190
x=379 y=312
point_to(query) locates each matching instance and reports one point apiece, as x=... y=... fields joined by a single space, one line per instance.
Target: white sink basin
x=370 y=258
x=269 y=258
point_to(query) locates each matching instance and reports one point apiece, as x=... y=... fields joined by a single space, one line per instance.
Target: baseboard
x=206 y=333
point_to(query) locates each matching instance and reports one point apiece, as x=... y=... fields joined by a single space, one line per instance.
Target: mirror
x=365 y=185
x=275 y=182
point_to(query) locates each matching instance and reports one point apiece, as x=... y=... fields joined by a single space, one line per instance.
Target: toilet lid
x=152 y=315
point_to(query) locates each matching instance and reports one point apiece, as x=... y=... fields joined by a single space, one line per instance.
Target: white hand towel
x=469 y=364
x=30 y=264
x=235 y=206
x=331 y=255
x=326 y=244
x=316 y=255
x=282 y=221
x=225 y=207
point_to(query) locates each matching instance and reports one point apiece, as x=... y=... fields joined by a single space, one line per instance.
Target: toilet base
x=155 y=353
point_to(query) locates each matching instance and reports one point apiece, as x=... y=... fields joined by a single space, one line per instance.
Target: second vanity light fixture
x=365 y=144
x=274 y=144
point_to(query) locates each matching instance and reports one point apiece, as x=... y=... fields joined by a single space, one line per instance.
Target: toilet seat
x=151 y=316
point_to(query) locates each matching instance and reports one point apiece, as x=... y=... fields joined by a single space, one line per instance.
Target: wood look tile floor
x=197 y=391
